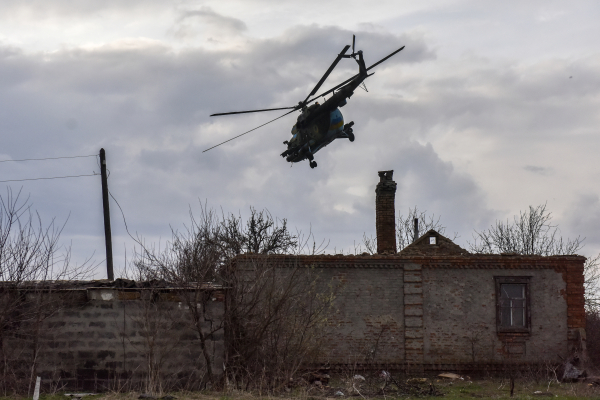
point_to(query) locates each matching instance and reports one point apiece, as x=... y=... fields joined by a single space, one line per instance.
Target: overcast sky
x=491 y=107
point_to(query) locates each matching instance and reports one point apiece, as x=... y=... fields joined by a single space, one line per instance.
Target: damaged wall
x=107 y=338
x=460 y=312
x=416 y=311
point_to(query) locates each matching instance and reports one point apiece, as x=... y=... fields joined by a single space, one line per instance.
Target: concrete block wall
x=111 y=338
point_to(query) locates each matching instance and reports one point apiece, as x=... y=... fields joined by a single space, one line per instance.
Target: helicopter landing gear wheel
x=351 y=136
x=313 y=164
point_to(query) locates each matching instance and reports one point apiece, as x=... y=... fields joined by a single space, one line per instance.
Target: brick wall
x=438 y=312
x=460 y=318
x=367 y=321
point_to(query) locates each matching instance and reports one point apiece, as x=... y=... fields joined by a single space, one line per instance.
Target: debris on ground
x=358 y=378
x=385 y=376
x=319 y=376
x=450 y=375
x=593 y=380
x=147 y=396
x=573 y=369
x=540 y=393
x=339 y=393
x=77 y=396
x=416 y=380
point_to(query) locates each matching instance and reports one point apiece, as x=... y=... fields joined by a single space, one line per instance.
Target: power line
x=54 y=177
x=124 y=220
x=49 y=158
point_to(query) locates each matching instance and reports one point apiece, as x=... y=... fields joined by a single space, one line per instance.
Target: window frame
x=499 y=281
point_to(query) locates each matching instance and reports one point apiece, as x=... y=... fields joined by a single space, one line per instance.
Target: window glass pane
x=518 y=303
x=513 y=291
x=518 y=317
x=513 y=305
x=505 y=316
x=505 y=302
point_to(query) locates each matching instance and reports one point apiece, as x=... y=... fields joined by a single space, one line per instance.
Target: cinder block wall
x=114 y=338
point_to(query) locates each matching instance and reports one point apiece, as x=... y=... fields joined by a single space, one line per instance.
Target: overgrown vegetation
x=275 y=316
x=30 y=255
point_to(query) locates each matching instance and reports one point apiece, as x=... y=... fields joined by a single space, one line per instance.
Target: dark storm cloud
x=148 y=106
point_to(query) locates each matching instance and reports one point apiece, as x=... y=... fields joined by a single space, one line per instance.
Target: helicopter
x=319 y=124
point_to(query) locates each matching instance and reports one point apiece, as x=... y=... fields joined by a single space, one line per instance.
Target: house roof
x=432 y=243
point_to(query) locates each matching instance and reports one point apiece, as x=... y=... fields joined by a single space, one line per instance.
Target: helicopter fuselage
x=320 y=124
x=314 y=136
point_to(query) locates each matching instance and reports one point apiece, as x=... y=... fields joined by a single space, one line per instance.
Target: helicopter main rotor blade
x=260 y=126
x=348 y=80
x=337 y=60
x=252 y=111
x=385 y=58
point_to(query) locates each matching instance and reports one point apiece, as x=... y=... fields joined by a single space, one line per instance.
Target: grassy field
x=450 y=390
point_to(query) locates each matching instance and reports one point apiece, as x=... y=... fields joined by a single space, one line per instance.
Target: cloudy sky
x=491 y=107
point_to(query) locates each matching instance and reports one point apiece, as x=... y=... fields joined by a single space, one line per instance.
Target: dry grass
x=450 y=390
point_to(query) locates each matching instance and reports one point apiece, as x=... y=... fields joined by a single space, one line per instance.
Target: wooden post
x=107 y=234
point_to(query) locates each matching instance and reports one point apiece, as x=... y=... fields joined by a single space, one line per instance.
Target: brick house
x=434 y=306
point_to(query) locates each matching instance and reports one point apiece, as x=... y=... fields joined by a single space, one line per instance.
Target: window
x=512 y=304
x=432 y=240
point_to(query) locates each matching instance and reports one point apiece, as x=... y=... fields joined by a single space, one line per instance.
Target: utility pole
x=107 y=235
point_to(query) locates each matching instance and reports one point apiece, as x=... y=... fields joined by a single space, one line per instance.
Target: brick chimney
x=385 y=214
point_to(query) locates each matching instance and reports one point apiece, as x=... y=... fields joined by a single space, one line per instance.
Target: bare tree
x=533 y=233
x=591 y=284
x=277 y=319
x=189 y=262
x=262 y=234
x=271 y=317
x=30 y=254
